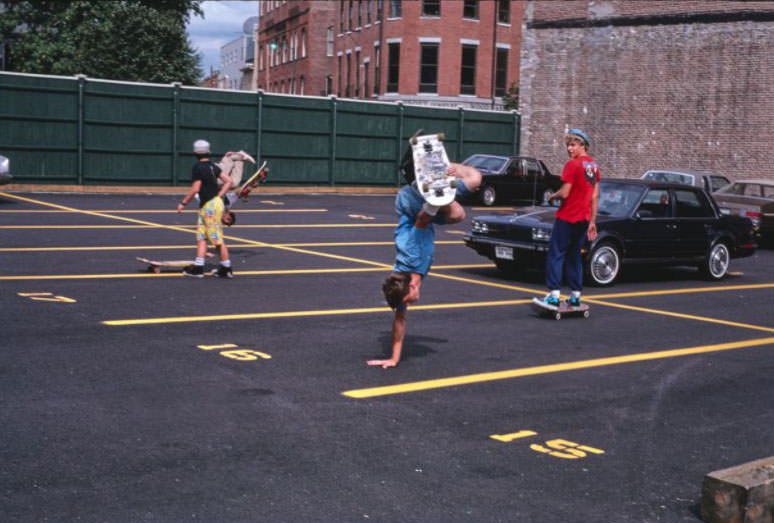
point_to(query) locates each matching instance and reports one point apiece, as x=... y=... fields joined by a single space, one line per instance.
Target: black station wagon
x=638 y=221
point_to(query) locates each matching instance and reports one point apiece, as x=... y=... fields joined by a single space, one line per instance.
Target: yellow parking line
x=150 y=211
x=193 y=227
x=177 y=274
x=547 y=369
x=681 y=291
x=680 y=315
x=296 y=314
x=231 y=245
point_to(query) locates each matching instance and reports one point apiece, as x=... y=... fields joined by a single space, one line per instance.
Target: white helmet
x=201 y=147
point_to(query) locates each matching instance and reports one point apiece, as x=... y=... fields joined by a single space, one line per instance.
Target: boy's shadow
x=413 y=346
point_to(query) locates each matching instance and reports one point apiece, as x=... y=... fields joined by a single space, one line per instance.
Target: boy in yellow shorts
x=204 y=176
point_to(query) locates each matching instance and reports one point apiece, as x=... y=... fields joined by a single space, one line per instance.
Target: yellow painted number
x=505 y=438
x=561 y=448
x=46 y=296
x=239 y=354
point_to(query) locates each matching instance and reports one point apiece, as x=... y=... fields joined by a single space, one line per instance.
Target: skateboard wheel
x=558 y=316
x=453 y=184
x=425 y=187
x=441 y=137
x=585 y=314
x=414 y=140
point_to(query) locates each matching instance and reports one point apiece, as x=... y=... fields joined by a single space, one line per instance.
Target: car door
x=532 y=182
x=695 y=220
x=511 y=179
x=654 y=232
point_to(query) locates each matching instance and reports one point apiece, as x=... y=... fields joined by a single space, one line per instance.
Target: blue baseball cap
x=580 y=134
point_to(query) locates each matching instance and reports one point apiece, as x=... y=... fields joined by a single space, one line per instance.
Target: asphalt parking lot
x=131 y=396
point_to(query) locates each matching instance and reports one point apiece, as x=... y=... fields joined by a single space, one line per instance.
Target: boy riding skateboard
x=414 y=243
x=205 y=175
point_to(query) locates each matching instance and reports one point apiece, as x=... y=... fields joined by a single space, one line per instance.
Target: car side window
x=718 y=182
x=752 y=189
x=655 y=204
x=768 y=191
x=692 y=204
x=532 y=168
x=514 y=168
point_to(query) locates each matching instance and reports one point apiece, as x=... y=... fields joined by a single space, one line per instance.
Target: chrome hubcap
x=604 y=265
x=489 y=196
x=718 y=260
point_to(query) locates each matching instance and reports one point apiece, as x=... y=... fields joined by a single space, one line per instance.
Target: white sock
x=576 y=294
x=555 y=294
x=225 y=263
x=199 y=261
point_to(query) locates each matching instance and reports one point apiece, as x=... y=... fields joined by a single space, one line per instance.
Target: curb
x=120 y=189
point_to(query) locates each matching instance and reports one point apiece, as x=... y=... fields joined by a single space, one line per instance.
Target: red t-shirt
x=583 y=174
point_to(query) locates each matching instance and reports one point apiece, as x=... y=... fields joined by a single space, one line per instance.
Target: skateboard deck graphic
x=564 y=308
x=156 y=266
x=430 y=166
x=252 y=182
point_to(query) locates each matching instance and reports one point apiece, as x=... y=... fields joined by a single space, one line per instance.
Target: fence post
x=81 y=110
x=332 y=161
x=516 y=132
x=398 y=142
x=175 y=127
x=259 y=128
x=461 y=133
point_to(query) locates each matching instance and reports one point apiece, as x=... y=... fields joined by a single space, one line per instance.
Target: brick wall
x=695 y=93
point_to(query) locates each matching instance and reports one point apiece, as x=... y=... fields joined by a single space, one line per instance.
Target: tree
x=511 y=98
x=139 y=41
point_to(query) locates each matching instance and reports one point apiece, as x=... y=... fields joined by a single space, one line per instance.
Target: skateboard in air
x=157 y=266
x=557 y=312
x=252 y=182
x=435 y=185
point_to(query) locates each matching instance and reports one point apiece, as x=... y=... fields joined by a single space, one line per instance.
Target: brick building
x=291 y=46
x=430 y=52
x=656 y=84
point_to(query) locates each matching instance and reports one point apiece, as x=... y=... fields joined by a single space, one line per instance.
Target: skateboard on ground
x=252 y=182
x=156 y=266
x=430 y=166
x=557 y=312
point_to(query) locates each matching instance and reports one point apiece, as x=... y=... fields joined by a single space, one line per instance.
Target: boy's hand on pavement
x=385 y=364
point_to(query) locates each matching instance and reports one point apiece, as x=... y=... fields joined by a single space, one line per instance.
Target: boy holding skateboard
x=414 y=243
x=205 y=175
x=575 y=219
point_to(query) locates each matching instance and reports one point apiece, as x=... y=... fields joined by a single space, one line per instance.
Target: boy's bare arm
x=398 y=333
x=195 y=186
x=470 y=176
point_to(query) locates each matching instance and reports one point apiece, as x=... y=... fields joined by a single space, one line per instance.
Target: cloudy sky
x=222 y=23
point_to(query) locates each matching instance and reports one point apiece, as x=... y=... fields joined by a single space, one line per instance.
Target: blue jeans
x=564 y=254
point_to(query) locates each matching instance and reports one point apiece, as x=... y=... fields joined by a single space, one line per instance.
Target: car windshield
x=486 y=162
x=668 y=177
x=618 y=199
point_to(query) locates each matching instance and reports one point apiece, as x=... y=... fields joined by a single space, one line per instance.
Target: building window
x=341 y=17
x=303 y=43
x=377 y=68
x=284 y=50
x=357 y=74
x=431 y=7
x=360 y=13
x=396 y=9
x=301 y=85
x=328 y=85
x=501 y=71
x=366 y=83
x=468 y=70
x=260 y=58
x=428 y=68
x=293 y=47
x=504 y=11
x=379 y=10
x=368 y=12
x=393 y=67
x=329 y=42
x=293 y=85
x=470 y=9
x=348 y=92
x=349 y=16
x=338 y=90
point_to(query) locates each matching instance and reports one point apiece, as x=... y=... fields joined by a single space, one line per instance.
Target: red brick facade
x=365 y=29
x=298 y=64
x=656 y=84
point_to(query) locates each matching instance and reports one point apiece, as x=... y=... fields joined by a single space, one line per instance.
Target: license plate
x=504 y=253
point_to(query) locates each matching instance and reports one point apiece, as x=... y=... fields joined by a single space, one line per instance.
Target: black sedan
x=638 y=222
x=508 y=179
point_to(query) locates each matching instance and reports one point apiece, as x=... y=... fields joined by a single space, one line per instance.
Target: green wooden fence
x=65 y=130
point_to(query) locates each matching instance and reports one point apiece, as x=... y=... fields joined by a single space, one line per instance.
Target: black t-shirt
x=208 y=173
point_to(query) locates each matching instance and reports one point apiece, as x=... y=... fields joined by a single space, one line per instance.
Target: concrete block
x=740 y=494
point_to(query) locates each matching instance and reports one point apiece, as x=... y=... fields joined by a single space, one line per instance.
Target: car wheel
x=716 y=262
x=488 y=195
x=604 y=264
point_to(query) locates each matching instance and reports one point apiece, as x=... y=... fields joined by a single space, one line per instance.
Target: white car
x=711 y=182
x=5 y=170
